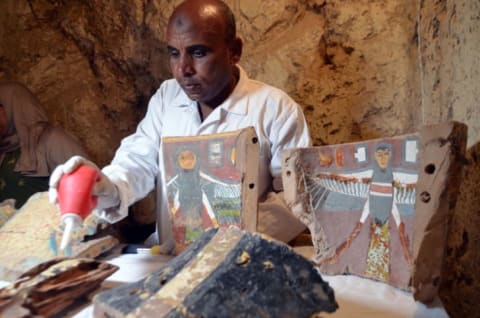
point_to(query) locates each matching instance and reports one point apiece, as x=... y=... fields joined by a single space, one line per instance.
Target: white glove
x=104 y=189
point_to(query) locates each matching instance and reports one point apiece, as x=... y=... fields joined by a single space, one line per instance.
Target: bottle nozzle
x=71 y=221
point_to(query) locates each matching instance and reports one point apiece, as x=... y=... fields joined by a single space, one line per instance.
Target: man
x=30 y=147
x=209 y=94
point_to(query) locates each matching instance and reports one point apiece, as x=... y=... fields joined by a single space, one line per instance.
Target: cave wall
x=450 y=62
x=360 y=69
x=92 y=64
x=351 y=65
x=339 y=60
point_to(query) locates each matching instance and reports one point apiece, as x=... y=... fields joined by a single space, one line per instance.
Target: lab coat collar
x=235 y=103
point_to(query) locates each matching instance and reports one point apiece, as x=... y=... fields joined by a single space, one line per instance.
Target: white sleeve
x=135 y=166
x=290 y=130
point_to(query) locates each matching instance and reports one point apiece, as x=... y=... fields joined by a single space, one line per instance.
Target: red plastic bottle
x=75 y=199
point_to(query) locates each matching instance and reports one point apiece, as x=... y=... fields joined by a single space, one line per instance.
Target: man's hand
x=104 y=189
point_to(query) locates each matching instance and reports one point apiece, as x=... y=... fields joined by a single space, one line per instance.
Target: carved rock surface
x=226 y=273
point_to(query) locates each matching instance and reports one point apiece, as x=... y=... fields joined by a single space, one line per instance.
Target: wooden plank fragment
x=441 y=152
x=460 y=285
x=52 y=287
x=232 y=273
x=211 y=182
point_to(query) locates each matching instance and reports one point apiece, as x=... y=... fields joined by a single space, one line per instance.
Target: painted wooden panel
x=211 y=182
x=359 y=201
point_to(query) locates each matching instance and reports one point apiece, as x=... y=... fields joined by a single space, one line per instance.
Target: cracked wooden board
x=460 y=274
x=442 y=158
x=343 y=244
x=225 y=273
x=50 y=288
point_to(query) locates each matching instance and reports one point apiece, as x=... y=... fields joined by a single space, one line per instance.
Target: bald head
x=213 y=15
x=203 y=50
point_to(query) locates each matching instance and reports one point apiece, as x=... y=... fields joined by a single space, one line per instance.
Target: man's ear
x=236 y=50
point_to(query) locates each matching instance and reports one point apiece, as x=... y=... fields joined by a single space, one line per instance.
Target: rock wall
x=350 y=64
x=360 y=69
x=449 y=63
x=93 y=64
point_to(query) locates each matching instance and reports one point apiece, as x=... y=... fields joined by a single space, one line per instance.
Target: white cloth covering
x=278 y=122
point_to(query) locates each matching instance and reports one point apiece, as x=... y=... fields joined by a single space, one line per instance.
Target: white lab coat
x=278 y=122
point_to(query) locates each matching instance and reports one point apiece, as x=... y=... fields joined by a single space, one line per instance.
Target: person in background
x=210 y=93
x=30 y=147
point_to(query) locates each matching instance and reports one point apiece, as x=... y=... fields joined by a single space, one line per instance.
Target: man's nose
x=186 y=66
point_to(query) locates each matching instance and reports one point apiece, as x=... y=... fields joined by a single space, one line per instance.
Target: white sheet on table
x=362 y=297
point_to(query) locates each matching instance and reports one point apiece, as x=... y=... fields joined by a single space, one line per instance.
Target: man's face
x=200 y=59
x=3 y=122
x=382 y=156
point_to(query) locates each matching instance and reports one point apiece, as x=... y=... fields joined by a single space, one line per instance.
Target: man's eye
x=173 y=53
x=199 y=53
